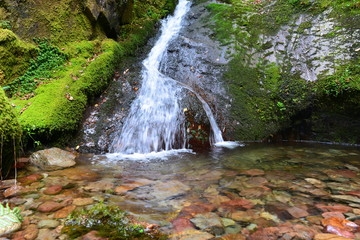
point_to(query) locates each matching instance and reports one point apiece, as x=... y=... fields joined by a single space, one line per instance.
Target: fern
x=10 y=219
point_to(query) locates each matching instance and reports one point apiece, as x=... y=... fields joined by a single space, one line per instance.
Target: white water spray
x=156 y=121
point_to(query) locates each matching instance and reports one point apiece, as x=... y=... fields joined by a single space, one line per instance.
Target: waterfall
x=156 y=121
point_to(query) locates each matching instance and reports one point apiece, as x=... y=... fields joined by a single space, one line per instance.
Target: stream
x=244 y=193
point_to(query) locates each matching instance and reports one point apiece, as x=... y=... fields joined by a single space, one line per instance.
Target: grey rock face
x=53 y=159
x=311 y=45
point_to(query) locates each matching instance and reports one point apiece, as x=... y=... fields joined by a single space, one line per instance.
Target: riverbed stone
x=100 y=186
x=53 y=190
x=48 y=223
x=47 y=234
x=64 y=212
x=77 y=174
x=297 y=212
x=92 y=235
x=209 y=222
x=346 y=198
x=29 y=233
x=328 y=236
x=83 y=201
x=50 y=206
x=181 y=224
x=193 y=209
x=168 y=189
x=27 y=180
x=13 y=191
x=191 y=234
x=253 y=172
x=53 y=159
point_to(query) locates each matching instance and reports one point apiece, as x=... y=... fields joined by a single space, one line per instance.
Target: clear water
x=186 y=178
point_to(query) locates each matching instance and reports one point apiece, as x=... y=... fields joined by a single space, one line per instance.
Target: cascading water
x=156 y=121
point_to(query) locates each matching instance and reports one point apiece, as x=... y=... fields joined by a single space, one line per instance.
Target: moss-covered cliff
x=74 y=51
x=294 y=72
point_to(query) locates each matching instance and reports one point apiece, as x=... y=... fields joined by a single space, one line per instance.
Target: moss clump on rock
x=10 y=134
x=14 y=56
x=57 y=106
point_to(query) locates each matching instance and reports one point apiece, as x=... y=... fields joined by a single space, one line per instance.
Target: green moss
x=10 y=133
x=39 y=71
x=14 y=56
x=110 y=222
x=57 y=107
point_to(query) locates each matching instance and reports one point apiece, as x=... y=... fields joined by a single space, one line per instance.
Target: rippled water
x=166 y=184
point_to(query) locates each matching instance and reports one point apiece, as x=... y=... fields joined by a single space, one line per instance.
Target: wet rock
x=332 y=214
x=235 y=236
x=53 y=159
x=6 y=183
x=77 y=174
x=346 y=198
x=125 y=188
x=327 y=236
x=30 y=179
x=244 y=216
x=100 y=186
x=53 y=190
x=334 y=208
x=50 y=206
x=64 y=212
x=191 y=235
x=168 y=189
x=83 y=201
x=13 y=191
x=93 y=235
x=209 y=222
x=214 y=197
x=297 y=212
x=256 y=181
x=253 y=172
x=340 y=226
x=237 y=204
x=316 y=220
x=352 y=193
x=192 y=210
x=47 y=234
x=182 y=224
x=255 y=192
x=285 y=231
x=48 y=223
x=29 y=233
x=226 y=222
x=315 y=182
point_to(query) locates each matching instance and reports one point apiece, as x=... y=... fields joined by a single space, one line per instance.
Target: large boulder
x=53 y=159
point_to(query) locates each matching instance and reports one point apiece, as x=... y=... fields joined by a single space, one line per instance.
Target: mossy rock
x=10 y=134
x=14 y=56
x=57 y=108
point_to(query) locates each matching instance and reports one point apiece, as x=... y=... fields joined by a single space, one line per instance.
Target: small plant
x=10 y=219
x=40 y=69
x=110 y=222
x=281 y=106
x=5 y=24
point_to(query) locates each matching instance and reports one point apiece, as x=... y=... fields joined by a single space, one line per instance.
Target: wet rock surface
x=193 y=199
